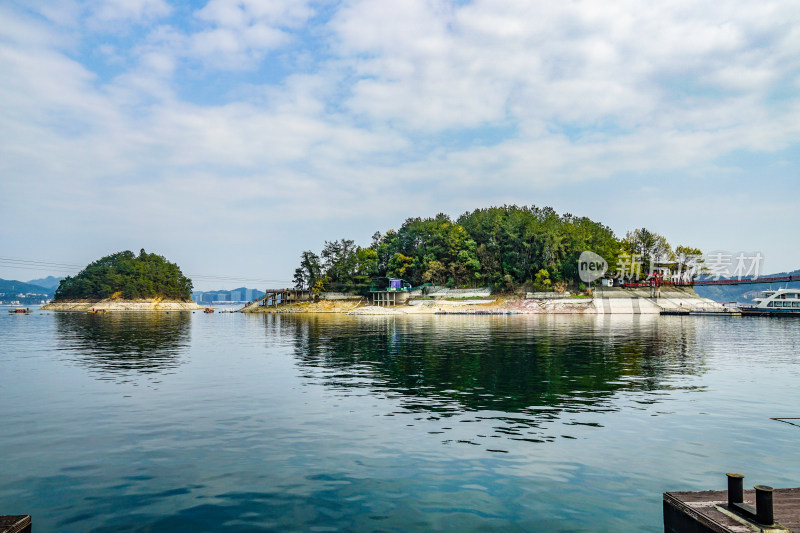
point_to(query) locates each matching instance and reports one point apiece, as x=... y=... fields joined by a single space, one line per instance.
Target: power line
x=33 y=262
x=37 y=269
x=225 y=278
x=37 y=265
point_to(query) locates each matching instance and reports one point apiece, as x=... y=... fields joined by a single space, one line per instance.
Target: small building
x=399 y=285
x=383 y=284
x=389 y=291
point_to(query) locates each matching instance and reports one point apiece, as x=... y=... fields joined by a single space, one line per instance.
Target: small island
x=125 y=282
x=497 y=260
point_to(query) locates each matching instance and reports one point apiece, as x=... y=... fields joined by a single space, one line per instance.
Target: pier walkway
x=709 y=512
x=278 y=297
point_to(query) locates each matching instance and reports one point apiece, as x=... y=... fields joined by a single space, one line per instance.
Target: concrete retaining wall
x=444 y=292
x=546 y=295
x=337 y=296
x=448 y=303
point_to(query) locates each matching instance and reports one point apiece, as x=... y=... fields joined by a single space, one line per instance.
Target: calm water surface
x=193 y=422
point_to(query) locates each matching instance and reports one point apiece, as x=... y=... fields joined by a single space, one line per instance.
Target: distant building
x=208 y=297
x=241 y=294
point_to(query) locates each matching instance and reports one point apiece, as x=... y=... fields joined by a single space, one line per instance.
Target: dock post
x=764 y=504
x=703 y=511
x=735 y=488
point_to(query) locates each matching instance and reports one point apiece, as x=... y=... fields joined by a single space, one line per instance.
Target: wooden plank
x=705 y=511
x=15 y=524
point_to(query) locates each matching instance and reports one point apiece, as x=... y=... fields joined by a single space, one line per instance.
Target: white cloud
x=446 y=105
x=242 y=13
x=64 y=13
x=241 y=32
x=427 y=66
x=136 y=11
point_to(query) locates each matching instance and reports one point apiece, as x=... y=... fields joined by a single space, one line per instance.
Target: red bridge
x=700 y=282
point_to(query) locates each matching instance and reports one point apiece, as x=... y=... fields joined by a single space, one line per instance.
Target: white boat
x=780 y=302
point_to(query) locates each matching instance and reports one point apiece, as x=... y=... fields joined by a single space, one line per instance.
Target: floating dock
x=763 y=509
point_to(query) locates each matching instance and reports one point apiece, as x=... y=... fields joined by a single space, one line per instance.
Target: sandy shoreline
x=606 y=302
x=122 y=305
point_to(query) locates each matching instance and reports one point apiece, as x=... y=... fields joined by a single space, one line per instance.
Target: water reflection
x=519 y=371
x=119 y=345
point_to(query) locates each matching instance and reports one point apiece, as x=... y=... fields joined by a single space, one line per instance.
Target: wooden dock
x=709 y=512
x=276 y=297
x=15 y=524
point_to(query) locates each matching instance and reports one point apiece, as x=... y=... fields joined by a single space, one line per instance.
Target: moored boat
x=21 y=311
x=780 y=302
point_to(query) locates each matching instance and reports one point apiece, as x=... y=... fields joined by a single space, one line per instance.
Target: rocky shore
x=609 y=301
x=121 y=305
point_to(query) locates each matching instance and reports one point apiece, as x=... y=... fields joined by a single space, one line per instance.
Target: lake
x=231 y=422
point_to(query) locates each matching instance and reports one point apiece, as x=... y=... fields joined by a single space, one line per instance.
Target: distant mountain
x=10 y=290
x=50 y=282
x=744 y=293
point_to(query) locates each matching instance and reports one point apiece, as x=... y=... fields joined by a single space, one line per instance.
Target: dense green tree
x=519 y=241
x=398 y=265
x=339 y=260
x=504 y=247
x=431 y=239
x=127 y=276
x=341 y=266
x=436 y=273
x=584 y=234
x=365 y=265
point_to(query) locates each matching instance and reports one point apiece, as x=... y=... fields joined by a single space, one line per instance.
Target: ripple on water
x=338 y=423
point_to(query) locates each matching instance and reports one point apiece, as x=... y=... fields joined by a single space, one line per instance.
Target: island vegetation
x=127 y=276
x=505 y=248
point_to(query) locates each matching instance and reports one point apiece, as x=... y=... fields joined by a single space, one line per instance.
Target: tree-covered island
x=505 y=248
x=126 y=276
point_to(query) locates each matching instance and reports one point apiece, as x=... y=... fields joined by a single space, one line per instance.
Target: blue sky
x=230 y=135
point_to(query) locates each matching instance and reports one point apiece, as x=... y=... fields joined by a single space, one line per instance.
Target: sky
x=231 y=135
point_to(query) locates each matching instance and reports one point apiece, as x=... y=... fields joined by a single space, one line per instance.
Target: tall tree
x=652 y=247
x=309 y=271
x=339 y=260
